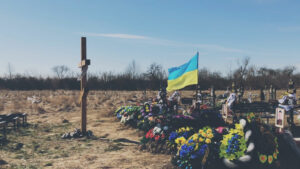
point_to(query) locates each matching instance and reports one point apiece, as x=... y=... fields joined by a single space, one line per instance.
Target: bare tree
x=155 y=71
x=289 y=70
x=10 y=71
x=132 y=70
x=241 y=72
x=61 y=71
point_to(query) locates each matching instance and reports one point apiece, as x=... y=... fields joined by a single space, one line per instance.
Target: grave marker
x=83 y=81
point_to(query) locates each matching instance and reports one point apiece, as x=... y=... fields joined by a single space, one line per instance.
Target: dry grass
x=42 y=146
x=2 y=108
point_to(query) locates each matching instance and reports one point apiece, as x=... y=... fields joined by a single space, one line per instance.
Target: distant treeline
x=249 y=76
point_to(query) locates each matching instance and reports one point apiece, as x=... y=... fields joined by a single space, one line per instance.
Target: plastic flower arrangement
x=195 y=149
x=146 y=110
x=233 y=145
x=128 y=114
x=119 y=112
x=177 y=136
x=269 y=158
x=127 y=110
x=145 y=124
x=155 y=134
x=250 y=117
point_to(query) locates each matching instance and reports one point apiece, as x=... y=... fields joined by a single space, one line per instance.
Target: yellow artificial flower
x=238 y=127
x=194 y=137
x=197 y=146
x=210 y=135
x=209 y=131
x=187 y=129
x=180 y=141
x=235 y=131
x=207 y=141
x=204 y=135
x=228 y=136
x=201 y=139
x=201 y=131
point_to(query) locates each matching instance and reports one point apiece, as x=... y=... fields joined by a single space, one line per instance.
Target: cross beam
x=83 y=81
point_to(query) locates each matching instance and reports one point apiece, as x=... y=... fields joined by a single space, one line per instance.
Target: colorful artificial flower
x=250 y=117
x=262 y=158
x=233 y=145
x=207 y=141
x=150 y=134
x=154 y=135
x=194 y=147
x=180 y=141
x=220 y=130
x=269 y=157
x=184 y=132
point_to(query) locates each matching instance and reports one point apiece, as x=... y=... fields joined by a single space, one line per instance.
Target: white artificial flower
x=156 y=130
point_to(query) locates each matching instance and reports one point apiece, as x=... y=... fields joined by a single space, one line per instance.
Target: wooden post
x=275 y=97
x=213 y=96
x=271 y=93
x=83 y=88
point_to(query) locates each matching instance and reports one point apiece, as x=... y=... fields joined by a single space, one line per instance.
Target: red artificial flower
x=149 y=134
x=220 y=130
x=156 y=137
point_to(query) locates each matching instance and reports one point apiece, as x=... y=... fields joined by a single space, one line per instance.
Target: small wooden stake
x=83 y=93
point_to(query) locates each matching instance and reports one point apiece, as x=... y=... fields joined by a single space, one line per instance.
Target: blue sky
x=36 y=35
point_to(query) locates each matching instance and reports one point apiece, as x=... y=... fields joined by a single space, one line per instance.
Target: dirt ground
x=114 y=145
x=52 y=113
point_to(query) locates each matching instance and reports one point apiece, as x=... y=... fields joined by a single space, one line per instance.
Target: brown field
x=40 y=145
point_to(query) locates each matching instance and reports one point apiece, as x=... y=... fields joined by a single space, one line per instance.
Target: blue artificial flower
x=191 y=140
x=200 y=152
x=184 y=151
x=202 y=149
x=185 y=134
x=173 y=136
x=190 y=148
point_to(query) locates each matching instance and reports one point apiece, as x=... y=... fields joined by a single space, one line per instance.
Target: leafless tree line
x=246 y=75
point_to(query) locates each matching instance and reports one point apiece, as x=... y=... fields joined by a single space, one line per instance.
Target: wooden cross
x=83 y=88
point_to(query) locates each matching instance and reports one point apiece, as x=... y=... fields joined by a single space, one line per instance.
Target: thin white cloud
x=289 y=29
x=158 y=41
x=117 y=35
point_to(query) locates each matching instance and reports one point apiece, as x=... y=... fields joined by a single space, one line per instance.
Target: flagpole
x=197 y=77
x=198 y=66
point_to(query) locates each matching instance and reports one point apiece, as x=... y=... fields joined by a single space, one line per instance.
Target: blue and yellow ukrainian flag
x=184 y=75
